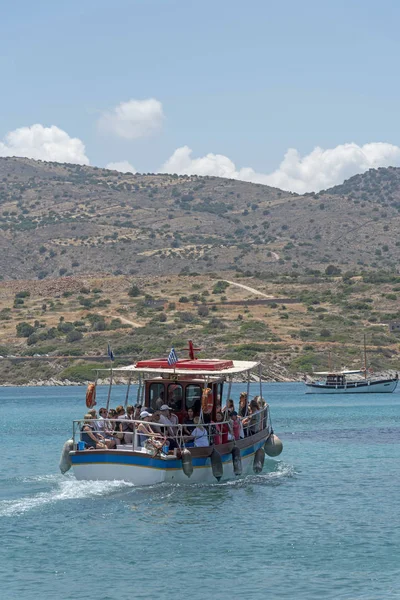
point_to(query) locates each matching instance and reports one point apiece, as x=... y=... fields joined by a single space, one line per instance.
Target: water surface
x=322 y=525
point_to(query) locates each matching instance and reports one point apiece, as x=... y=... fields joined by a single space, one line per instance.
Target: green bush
x=220 y=287
x=134 y=291
x=24 y=330
x=80 y=372
x=74 y=336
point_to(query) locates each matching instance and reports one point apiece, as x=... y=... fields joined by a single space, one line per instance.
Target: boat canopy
x=190 y=367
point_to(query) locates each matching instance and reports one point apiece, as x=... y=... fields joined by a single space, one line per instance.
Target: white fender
x=65 y=459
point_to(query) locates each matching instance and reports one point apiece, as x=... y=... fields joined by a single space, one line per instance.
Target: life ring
x=207 y=401
x=91 y=395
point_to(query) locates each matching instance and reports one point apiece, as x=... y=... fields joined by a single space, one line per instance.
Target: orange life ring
x=91 y=395
x=207 y=401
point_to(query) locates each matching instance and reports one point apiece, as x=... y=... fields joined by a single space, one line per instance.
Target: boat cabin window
x=156 y=395
x=193 y=398
x=175 y=396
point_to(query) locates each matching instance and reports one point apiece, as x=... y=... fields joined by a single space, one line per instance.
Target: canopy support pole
x=127 y=391
x=109 y=390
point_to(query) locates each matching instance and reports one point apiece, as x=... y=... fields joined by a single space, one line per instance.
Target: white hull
x=150 y=475
x=370 y=387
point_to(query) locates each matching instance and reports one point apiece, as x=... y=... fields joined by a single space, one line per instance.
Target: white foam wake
x=67 y=489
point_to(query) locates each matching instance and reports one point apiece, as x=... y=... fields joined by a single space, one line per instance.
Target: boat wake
x=65 y=489
x=278 y=476
x=68 y=488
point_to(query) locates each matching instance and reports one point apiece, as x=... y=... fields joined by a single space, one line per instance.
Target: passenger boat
x=203 y=385
x=341 y=382
x=359 y=381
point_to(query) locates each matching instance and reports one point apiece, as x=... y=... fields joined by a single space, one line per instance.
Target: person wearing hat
x=144 y=430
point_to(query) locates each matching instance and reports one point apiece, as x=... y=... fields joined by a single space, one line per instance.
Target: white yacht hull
x=386 y=386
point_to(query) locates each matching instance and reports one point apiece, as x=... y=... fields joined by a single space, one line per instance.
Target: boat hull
x=142 y=469
x=382 y=386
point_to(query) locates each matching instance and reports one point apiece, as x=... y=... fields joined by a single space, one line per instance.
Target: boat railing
x=140 y=435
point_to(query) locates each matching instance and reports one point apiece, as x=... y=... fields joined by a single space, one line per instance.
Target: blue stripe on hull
x=87 y=458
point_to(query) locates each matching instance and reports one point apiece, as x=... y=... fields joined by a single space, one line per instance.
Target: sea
x=321 y=522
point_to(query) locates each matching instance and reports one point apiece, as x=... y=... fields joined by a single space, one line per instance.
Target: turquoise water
x=323 y=524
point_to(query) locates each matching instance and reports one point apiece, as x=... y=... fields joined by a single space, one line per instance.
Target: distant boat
x=339 y=382
x=345 y=382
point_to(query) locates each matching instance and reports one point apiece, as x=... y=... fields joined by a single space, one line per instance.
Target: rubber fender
x=273 y=446
x=216 y=465
x=187 y=463
x=237 y=461
x=65 y=459
x=259 y=458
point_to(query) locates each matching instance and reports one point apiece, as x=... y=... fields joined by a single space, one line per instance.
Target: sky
x=296 y=94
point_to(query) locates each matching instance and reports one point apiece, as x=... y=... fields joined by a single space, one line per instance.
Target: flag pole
x=111 y=357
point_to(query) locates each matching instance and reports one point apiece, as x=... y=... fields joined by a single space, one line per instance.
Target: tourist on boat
x=165 y=414
x=102 y=419
x=137 y=411
x=236 y=426
x=160 y=400
x=221 y=435
x=228 y=409
x=127 y=425
x=167 y=418
x=145 y=431
x=104 y=425
x=92 y=438
x=199 y=434
x=262 y=406
x=93 y=415
x=116 y=423
x=189 y=422
x=251 y=424
x=243 y=408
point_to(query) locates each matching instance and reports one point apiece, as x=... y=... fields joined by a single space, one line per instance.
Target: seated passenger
x=188 y=422
x=228 y=409
x=251 y=424
x=221 y=434
x=237 y=427
x=137 y=411
x=166 y=418
x=243 y=409
x=92 y=438
x=145 y=432
x=199 y=434
x=127 y=425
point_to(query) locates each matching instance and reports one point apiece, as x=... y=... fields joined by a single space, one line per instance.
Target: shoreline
x=67 y=383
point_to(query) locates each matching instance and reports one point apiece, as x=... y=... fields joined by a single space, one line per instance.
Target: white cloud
x=123 y=167
x=44 y=143
x=133 y=119
x=318 y=170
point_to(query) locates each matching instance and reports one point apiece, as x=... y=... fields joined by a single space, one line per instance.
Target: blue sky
x=245 y=80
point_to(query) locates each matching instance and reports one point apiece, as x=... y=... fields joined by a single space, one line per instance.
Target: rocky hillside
x=68 y=220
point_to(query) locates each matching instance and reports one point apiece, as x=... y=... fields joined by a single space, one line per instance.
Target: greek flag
x=110 y=352
x=172 y=357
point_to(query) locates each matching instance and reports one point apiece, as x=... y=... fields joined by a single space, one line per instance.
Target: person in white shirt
x=165 y=419
x=199 y=434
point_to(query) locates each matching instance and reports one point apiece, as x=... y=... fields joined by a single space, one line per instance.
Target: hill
x=60 y=328
x=68 y=220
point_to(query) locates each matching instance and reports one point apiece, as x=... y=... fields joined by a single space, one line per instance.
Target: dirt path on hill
x=249 y=289
x=123 y=319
